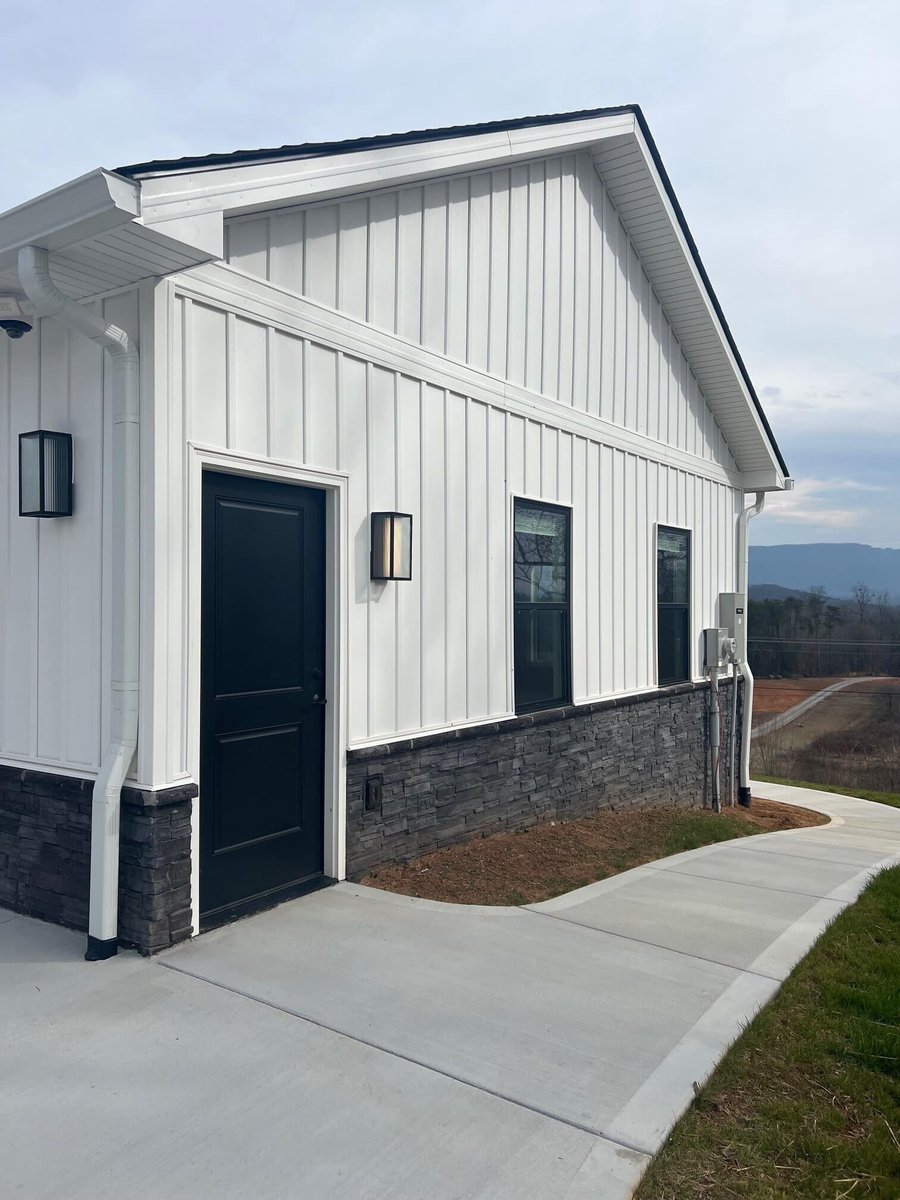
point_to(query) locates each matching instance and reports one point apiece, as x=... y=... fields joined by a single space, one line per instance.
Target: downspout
x=49 y=301
x=743 y=573
x=715 y=738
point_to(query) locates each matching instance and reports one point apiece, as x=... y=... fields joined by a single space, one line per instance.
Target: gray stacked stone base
x=568 y=762
x=45 y=849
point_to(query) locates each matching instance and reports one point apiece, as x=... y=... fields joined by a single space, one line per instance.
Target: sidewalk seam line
x=761 y=887
x=625 y=937
x=352 y=1037
x=806 y=857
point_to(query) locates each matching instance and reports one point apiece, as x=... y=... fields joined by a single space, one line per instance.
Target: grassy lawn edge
x=805 y=1104
x=890 y=798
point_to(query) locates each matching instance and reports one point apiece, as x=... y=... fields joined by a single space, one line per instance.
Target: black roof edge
x=165 y=166
x=692 y=245
x=320 y=149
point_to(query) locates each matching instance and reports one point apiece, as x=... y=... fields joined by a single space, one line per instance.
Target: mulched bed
x=559 y=856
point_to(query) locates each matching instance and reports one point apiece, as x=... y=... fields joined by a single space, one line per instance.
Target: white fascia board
x=763 y=481
x=691 y=266
x=201 y=231
x=257 y=186
x=77 y=210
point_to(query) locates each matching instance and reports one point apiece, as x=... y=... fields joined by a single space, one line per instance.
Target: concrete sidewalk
x=363 y=1045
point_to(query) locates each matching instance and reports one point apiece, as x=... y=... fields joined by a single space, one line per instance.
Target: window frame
x=566 y=607
x=687 y=607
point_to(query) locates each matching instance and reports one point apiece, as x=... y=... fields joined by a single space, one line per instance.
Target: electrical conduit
x=49 y=301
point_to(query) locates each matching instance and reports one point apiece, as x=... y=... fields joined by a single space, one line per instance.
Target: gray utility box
x=715 y=649
x=733 y=615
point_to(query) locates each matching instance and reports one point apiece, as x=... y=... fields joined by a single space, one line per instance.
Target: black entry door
x=262 y=693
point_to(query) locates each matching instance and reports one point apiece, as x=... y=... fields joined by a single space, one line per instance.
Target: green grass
x=892 y=798
x=806 y=1104
x=702 y=829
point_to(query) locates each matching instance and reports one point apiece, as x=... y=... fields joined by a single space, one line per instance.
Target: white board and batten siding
x=54 y=651
x=526 y=273
x=527 y=276
x=436 y=651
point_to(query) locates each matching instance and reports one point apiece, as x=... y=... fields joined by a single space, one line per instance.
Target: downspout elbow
x=49 y=301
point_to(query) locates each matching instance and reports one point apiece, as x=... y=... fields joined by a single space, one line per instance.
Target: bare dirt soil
x=774 y=696
x=550 y=859
x=852 y=739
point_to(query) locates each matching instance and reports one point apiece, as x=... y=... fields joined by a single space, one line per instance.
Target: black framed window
x=673 y=610
x=541 y=597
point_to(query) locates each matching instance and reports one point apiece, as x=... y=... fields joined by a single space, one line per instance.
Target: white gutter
x=743 y=574
x=49 y=301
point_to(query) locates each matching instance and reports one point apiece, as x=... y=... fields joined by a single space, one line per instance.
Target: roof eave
x=80 y=209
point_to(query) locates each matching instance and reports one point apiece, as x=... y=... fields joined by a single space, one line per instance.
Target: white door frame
x=334 y=484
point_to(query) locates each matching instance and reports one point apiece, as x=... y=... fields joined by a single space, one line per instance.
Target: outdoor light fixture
x=45 y=474
x=391 y=545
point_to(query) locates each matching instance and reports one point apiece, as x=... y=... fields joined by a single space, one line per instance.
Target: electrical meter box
x=733 y=615
x=715 y=647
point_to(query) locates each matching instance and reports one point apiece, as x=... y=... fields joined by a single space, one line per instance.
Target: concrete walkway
x=366 y=1046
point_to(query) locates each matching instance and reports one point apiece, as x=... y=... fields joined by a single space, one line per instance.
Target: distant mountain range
x=774 y=591
x=835 y=566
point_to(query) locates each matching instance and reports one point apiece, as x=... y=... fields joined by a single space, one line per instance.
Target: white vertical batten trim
x=49 y=301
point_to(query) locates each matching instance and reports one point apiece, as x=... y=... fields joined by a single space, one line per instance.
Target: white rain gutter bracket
x=49 y=301
x=743 y=574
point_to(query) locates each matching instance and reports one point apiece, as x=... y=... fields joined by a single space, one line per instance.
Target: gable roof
x=169 y=166
x=617 y=165
x=180 y=204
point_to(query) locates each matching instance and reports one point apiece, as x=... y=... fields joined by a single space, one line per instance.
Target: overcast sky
x=778 y=123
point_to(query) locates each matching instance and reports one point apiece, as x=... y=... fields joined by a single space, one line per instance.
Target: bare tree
x=883 y=606
x=862 y=597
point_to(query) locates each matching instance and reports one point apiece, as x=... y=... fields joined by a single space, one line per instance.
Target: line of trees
x=814 y=634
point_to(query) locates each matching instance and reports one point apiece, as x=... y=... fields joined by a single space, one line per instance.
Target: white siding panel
x=248 y=398
x=354 y=460
x=476 y=566
x=206 y=340
x=437 y=651
x=527 y=273
x=382 y=607
x=21 y=407
x=354 y=251
x=409 y=594
x=431 y=548
x=455 y=565
x=498 y=581
x=321 y=407
x=54 y=650
x=286 y=396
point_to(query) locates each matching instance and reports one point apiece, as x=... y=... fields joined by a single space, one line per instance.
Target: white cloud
x=775 y=121
x=826 y=504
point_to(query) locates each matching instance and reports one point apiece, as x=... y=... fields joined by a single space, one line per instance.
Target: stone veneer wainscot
x=45 y=842
x=625 y=753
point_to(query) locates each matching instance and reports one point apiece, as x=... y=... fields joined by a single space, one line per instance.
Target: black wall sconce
x=391 y=545
x=45 y=474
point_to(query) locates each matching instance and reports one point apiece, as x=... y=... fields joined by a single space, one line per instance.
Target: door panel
x=262 y=703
